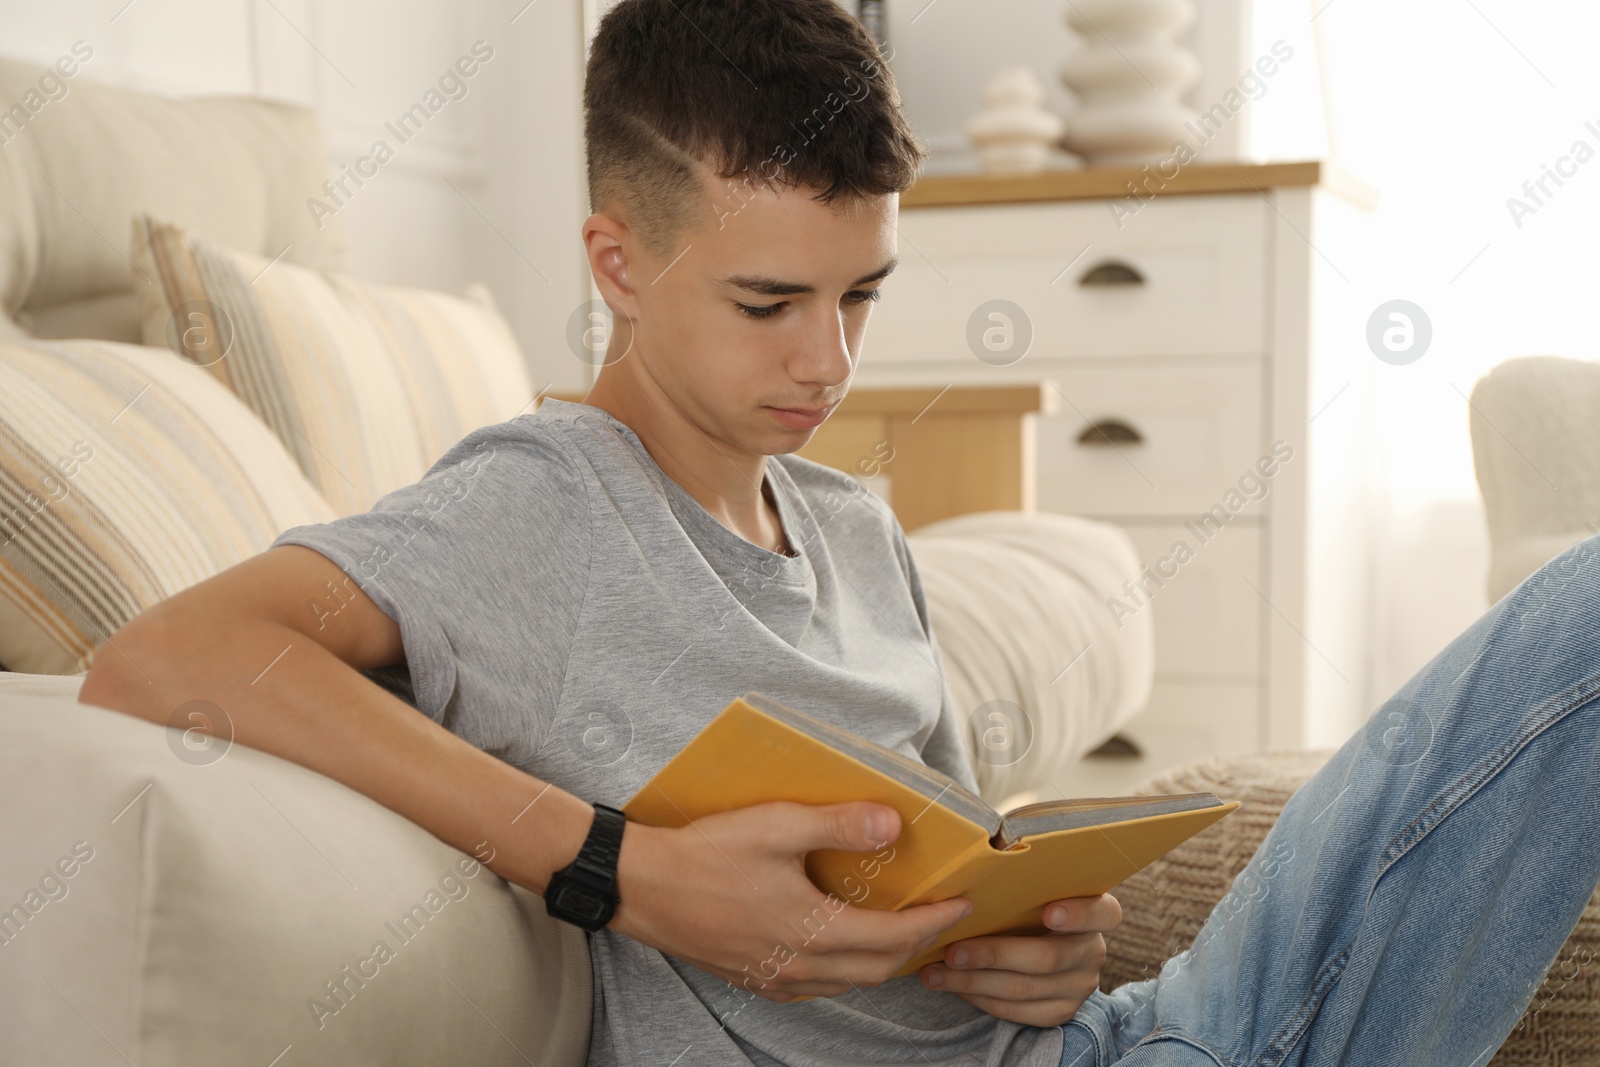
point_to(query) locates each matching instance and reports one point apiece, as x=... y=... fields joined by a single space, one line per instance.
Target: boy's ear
x=606 y=243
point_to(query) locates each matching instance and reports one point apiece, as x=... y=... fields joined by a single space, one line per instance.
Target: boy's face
x=762 y=305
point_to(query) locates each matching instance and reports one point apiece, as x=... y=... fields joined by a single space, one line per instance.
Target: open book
x=951 y=843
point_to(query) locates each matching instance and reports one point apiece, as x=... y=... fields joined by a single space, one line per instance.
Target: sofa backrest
x=79 y=159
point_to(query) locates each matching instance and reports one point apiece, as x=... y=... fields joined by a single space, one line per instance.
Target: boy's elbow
x=115 y=679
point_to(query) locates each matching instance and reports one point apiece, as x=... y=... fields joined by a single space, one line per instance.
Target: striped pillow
x=367 y=386
x=125 y=476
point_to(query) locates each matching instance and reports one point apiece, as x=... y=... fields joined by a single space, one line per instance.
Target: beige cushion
x=1014 y=597
x=222 y=895
x=366 y=385
x=125 y=476
x=75 y=170
x=1164 y=907
x=1537 y=458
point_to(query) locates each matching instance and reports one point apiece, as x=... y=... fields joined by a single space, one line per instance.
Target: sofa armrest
x=1537 y=462
x=181 y=905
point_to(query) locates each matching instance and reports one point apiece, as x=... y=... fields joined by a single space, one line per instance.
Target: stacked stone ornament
x=1129 y=77
x=1015 y=133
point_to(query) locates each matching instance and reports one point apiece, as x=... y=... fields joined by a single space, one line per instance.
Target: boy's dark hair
x=763 y=92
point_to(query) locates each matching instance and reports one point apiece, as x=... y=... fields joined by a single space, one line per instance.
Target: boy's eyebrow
x=774 y=287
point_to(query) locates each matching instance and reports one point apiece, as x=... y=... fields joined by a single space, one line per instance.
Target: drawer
x=1185 y=722
x=1200 y=262
x=1163 y=439
x=1207 y=617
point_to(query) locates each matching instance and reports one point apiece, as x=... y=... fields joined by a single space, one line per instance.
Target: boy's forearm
x=308 y=706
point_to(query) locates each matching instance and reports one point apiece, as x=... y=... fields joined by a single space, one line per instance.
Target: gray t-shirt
x=569 y=608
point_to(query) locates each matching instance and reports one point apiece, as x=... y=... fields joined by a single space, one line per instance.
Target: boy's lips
x=801 y=418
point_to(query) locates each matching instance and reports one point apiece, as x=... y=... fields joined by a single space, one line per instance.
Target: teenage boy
x=569 y=597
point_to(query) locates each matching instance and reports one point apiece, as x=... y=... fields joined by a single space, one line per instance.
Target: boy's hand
x=729 y=894
x=1040 y=979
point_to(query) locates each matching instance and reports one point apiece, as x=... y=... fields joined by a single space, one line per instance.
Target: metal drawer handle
x=1118 y=746
x=1112 y=272
x=1110 y=432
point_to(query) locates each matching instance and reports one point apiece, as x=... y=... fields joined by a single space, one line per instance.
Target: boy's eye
x=766 y=311
x=759 y=311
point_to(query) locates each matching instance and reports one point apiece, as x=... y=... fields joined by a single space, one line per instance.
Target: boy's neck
x=725 y=480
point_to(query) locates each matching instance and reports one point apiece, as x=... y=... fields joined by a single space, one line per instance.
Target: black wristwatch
x=584 y=892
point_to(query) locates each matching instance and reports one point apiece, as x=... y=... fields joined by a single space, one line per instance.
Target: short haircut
x=786 y=93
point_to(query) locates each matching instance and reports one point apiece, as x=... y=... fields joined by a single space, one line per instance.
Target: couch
x=164 y=899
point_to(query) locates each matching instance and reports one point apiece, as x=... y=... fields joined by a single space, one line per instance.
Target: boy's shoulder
x=521 y=458
x=560 y=435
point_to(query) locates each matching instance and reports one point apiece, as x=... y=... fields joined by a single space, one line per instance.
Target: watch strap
x=584 y=892
x=603 y=845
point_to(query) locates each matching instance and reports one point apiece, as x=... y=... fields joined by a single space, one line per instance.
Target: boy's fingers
x=907 y=932
x=852 y=826
x=1026 y=954
x=1100 y=914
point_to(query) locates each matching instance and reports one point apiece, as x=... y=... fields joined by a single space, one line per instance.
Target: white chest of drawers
x=1209 y=355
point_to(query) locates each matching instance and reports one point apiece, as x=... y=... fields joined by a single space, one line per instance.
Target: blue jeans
x=1413 y=894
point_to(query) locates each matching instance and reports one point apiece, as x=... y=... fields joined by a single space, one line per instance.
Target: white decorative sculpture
x=1015 y=132
x=1130 y=77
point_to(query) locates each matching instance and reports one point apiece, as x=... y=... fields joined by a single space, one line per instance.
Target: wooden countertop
x=1100 y=183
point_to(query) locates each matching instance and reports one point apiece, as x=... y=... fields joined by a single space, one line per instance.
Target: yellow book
x=951 y=843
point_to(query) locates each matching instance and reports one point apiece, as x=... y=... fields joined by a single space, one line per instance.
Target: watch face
x=581 y=902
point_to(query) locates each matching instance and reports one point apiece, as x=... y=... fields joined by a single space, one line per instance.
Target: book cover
x=757 y=750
